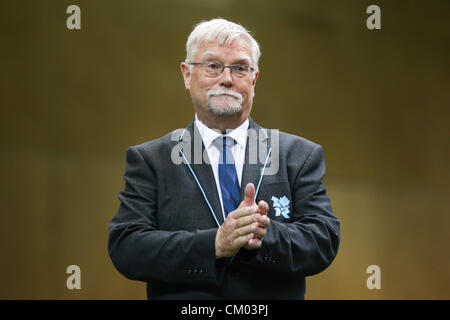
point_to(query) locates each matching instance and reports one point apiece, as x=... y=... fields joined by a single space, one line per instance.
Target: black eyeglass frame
x=232 y=67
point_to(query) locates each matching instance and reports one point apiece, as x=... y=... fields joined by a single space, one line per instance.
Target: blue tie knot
x=227 y=141
x=226 y=153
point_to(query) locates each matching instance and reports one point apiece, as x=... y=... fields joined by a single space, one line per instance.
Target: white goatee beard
x=224 y=102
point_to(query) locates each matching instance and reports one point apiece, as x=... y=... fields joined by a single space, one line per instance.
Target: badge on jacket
x=281 y=206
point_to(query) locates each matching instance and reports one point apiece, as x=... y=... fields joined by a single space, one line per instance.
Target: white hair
x=224 y=32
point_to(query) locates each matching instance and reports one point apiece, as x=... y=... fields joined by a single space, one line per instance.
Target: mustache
x=224 y=92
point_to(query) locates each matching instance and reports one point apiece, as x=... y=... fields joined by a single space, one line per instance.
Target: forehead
x=238 y=50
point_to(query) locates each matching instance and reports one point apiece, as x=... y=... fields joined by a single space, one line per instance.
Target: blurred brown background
x=73 y=101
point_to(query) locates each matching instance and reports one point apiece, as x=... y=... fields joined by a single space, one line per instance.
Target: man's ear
x=255 y=77
x=186 y=75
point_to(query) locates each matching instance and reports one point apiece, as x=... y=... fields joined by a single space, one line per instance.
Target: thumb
x=249 y=196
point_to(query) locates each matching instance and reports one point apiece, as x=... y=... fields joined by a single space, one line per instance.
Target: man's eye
x=240 y=68
x=213 y=66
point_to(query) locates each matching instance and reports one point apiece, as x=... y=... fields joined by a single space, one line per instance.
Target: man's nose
x=226 y=80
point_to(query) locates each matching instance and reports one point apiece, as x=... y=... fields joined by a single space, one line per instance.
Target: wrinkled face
x=225 y=94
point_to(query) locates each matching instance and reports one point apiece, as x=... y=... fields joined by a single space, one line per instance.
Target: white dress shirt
x=209 y=135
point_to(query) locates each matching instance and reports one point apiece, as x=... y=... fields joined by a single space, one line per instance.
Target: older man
x=223 y=227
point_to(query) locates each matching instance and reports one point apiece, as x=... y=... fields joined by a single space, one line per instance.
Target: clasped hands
x=244 y=227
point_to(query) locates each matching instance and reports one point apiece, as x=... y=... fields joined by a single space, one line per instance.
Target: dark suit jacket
x=164 y=232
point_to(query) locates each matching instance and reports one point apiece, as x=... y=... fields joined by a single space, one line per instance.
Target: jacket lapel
x=255 y=155
x=203 y=170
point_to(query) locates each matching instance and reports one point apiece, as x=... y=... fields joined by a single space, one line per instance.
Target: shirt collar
x=209 y=135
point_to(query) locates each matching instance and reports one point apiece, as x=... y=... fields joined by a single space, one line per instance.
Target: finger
x=259 y=233
x=249 y=196
x=263 y=207
x=243 y=221
x=254 y=243
x=245 y=230
x=264 y=221
x=242 y=241
x=242 y=212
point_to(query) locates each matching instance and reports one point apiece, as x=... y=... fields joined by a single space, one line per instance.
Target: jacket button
x=201 y=271
x=195 y=271
x=189 y=271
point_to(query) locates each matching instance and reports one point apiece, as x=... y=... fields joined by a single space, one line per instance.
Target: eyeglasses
x=214 y=69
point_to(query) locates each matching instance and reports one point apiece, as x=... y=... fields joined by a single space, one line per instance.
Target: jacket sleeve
x=309 y=243
x=140 y=251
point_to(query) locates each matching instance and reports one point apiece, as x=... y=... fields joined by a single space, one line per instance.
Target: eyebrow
x=240 y=60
